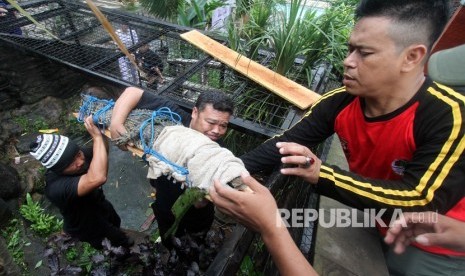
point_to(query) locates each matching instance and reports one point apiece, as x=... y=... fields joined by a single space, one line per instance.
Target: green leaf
x=182 y=204
x=38 y=264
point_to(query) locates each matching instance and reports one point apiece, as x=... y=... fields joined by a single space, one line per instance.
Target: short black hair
x=415 y=21
x=219 y=100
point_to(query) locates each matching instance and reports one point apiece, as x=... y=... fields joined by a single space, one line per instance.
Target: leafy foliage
x=293 y=33
x=62 y=243
x=130 y=4
x=247 y=142
x=255 y=29
x=288 y=39
x=194 y=13
x=332 y=30
x=15 y=242
x=29 y=125
x=74 y=128
x=198 y=14
x=247 y=267
x=182 y=205
x=41 y=223
x=165 y=9
x=67 y=256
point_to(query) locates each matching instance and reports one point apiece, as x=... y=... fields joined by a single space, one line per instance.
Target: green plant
x=312 y=38
x=214 y=78
x=72 y=254
x=239 y=143
x=22 y=121
x=15 y=242
x=27 y=125
x=247 y=267
x=66 y=256
x=251 y=27
x=40 y=123
x=198 y=13
x=330 y=35
x=41 y=223
x=130 y=4
x=84 y=257
x=166 y=9
x=262 y=107
x=193 y=13
x=73 y=127
x=288 y=39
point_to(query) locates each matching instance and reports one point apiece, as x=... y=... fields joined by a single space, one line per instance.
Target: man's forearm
x=96 y=175
x=286 y=255
x=99 y=165
x=125 y=104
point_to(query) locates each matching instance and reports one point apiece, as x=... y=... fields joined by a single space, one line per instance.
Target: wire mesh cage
x=73 y=36
x=69 y=33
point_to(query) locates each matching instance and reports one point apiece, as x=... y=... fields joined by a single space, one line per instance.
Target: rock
x=5 y=213
x=9 y=182
x=46 y=112
x=31 y=78
x=7 y=102
x=24 y=141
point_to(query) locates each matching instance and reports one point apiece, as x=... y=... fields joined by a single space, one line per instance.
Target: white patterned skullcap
x=55 y=152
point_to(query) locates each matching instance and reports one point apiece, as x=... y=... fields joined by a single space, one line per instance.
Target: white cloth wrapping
x=204 y=158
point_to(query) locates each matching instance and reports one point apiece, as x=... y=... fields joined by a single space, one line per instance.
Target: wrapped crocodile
x=171 y=149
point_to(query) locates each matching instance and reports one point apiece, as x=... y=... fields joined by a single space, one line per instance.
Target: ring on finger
x=308 y=162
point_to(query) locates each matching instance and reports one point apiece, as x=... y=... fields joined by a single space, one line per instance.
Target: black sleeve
x=314 y=128
x=432 y=180
x=153 y=102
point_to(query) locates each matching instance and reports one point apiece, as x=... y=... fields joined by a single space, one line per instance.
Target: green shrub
x=41 y=223
x=15 y=242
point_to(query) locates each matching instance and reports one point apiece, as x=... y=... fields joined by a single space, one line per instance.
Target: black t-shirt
x=151 y=101
x=85 y=217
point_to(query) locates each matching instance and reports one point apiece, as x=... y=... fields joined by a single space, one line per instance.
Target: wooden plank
x=132 y=149
x=291 y=91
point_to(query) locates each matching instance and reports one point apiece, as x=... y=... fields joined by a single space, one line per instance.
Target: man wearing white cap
x=73 y=184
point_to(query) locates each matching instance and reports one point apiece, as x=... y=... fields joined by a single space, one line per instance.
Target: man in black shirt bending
x=74 y=180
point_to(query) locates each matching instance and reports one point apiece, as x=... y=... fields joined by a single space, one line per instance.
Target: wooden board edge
x=305 y=97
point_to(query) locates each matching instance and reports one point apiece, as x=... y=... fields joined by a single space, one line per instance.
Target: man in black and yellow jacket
x=402 y=134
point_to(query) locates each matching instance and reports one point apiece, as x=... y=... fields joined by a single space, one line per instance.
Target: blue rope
x=163 y=113
x=101 y=112
x=87 y=106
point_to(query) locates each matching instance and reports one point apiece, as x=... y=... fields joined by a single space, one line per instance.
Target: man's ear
x=415 y=55
x=195 y=113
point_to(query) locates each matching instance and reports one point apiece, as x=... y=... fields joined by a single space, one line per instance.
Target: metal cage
x=80 y=41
